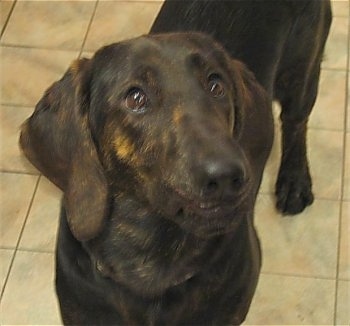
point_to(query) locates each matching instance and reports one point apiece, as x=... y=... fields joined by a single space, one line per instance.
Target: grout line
x=32 y=250
x=324 y=129
x=271 y=193
x=342 y=185
x=19 y=238
x=16 y=105
x=334 y=69
x=326 y=278
x=343 y=279
x=39 y=251
x=36 y=174
x=7 y=19
x=29 y=47
x=88 y=29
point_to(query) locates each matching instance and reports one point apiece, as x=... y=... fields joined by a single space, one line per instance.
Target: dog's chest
x=218 y=295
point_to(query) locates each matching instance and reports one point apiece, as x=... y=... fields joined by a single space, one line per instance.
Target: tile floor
x=306 y=269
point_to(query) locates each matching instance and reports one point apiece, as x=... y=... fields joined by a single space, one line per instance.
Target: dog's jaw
x=157 y=253
x=202 y=218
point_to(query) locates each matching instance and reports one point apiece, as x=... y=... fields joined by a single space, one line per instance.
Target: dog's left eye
x=216 y=85
x=136 y=100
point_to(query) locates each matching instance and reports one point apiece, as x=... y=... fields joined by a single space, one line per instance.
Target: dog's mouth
x=206 y=218
x=209 y=222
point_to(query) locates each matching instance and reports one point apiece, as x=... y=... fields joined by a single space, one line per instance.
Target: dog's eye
x=136 y=100
x=216 y=85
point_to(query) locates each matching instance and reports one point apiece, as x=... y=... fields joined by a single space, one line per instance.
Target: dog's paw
x=293 y=192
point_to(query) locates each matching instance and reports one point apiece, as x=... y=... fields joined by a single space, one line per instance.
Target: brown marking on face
x=177 y=116
x=124 y=147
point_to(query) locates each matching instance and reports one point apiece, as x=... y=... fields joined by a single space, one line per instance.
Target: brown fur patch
x=124 y=147
x=177 y=116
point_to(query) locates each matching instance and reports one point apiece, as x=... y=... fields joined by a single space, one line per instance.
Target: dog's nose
x=221 y=178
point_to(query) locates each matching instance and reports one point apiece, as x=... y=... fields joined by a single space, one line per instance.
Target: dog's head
x=170 y=120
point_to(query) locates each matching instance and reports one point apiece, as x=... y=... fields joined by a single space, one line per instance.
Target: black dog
x=159 y=144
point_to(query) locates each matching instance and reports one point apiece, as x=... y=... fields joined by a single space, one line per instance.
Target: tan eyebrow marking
x=177 y=116
x=124 y=147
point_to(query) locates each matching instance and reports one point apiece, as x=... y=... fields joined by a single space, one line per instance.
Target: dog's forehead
x=173 y=49
x=163 y=50
x=169 y=59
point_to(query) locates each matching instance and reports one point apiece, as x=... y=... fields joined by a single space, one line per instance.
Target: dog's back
x=254 y=32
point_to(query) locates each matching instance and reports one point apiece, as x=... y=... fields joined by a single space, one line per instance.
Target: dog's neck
x=150 y=254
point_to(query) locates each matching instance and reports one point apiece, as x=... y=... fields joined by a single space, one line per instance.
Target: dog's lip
x=206 y=219
x=204 y=208
x=207 y=224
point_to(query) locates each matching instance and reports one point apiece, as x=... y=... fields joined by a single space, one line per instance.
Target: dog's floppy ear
x=57 y=140
x=250 y=97
x=253 y=122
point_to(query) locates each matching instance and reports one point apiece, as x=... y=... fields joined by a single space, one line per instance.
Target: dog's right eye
x=216 y=86
x=136 y=100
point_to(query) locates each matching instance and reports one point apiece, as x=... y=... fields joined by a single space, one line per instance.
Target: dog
x=159 y=145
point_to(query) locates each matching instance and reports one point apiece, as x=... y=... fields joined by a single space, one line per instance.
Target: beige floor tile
x=346 y=181
x=116 y=21
x=12 y=159
x=325 y=154
x=5 y=8
x=329 y=110
x=344 y=254
x=282 y=300
x=305 y=244
x=16 y=194
x=5 y=261
x=336 y=51
x=27 y=73
x=343 y=303
x=49 y=24
x=29 y=297
x=340 y=7
x=42 y=222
